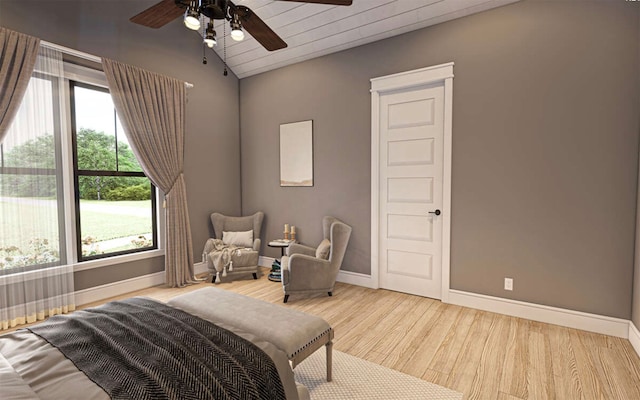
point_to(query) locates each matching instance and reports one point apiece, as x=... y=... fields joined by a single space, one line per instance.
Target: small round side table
x=276 y=274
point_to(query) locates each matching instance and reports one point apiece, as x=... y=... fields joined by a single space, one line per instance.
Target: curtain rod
x=84 y=55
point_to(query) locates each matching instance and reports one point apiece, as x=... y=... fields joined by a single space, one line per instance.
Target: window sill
x=105 y=262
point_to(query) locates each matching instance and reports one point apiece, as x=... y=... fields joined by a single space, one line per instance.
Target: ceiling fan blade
x=259 y=30
x=331 y=2
x=158 y=15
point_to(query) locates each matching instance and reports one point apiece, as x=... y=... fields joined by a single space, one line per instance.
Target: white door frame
x=442 y=73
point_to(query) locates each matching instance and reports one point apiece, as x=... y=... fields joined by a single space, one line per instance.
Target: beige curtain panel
x=18 y=53
x=151 y=108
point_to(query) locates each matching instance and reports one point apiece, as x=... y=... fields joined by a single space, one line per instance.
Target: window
x=71 y=188
x=115 y=201
x=31 y=198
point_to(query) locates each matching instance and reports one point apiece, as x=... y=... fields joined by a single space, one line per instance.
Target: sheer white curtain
x=35 y=280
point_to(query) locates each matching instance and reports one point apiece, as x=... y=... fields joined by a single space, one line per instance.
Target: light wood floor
x=482 y=354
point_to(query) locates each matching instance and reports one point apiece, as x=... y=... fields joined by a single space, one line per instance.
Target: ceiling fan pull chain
x=224 y=43
x=204 y=49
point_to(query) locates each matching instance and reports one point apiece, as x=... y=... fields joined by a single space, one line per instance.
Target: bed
x=138 y=348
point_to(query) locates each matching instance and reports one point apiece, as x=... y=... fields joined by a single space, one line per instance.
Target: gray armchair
x=247 y=260
x=305 y=270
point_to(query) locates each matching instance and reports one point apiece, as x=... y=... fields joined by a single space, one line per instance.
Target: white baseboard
x=102 y=292
x=264 y=261
x=200 y=268
x=634 y=337
x=536 y=312
x=355 y=278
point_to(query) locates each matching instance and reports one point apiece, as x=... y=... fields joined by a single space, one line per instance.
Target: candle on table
x=286 y=228
x=293 y=229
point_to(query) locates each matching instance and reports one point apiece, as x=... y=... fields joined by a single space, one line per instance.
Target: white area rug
x=355 y=378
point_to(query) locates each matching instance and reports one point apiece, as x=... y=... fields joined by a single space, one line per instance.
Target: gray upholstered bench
x=296 y=333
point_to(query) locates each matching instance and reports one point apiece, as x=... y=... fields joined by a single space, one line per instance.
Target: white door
x=410 y=182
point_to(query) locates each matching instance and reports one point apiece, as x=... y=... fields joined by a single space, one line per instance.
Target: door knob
x=436 y=212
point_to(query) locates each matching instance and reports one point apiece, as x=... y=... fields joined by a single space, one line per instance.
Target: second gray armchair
x=311 y=270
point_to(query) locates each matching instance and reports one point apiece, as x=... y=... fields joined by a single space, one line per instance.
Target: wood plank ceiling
x=313 y=30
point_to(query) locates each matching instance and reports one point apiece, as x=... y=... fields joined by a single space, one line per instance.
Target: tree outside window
x=115 y=201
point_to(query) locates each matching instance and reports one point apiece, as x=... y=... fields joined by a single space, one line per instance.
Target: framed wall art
x=296 y=154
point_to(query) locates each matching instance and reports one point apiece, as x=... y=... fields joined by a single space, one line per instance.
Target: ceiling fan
x=194 y=12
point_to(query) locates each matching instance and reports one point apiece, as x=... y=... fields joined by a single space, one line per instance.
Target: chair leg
x=330 y=294
x=255 y=275
x=286 y=298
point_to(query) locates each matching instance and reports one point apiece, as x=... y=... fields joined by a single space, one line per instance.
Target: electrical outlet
x=508 y=284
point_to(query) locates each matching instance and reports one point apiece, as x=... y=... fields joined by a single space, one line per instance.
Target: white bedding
x=11 y=384
x=31 y=368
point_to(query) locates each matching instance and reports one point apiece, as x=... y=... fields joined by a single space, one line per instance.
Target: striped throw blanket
x=142 y=349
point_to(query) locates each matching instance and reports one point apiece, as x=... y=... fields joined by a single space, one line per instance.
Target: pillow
x=323 y=249
x=239 y=239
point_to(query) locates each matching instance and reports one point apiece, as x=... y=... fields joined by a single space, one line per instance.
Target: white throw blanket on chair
x=219 y=256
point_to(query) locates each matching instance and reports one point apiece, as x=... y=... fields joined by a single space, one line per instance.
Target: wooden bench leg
x=329 y=347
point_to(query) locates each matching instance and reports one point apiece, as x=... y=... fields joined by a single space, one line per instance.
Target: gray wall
x=341 y=153
x=545 y=148
x=212 y=148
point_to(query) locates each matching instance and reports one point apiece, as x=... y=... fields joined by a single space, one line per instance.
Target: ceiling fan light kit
x=192 y=17
x=198 y=10
x=210 y=35
x=236 y=29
